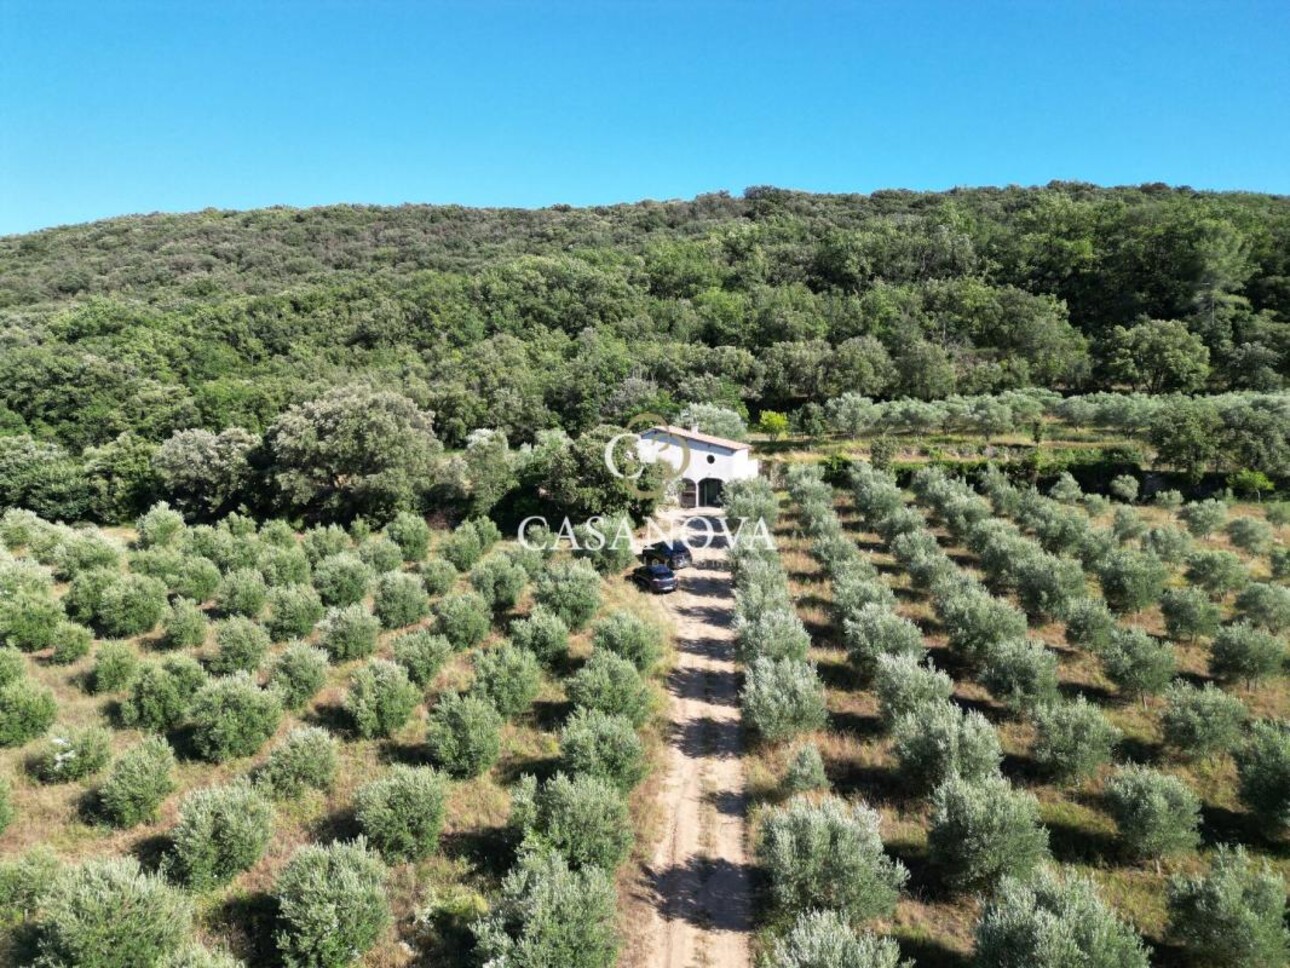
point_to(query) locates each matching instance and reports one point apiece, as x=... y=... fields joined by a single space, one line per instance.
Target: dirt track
x=700 y=873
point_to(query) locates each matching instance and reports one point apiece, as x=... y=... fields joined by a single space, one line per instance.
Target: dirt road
x=700 y=872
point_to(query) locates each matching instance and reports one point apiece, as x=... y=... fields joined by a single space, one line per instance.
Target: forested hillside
x=119 y=334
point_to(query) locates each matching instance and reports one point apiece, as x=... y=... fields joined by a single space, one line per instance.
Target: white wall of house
x=708 y=461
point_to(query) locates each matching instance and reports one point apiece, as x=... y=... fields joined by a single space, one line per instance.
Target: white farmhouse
x=705 y=462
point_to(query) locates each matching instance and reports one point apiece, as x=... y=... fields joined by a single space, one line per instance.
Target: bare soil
x=699 y=879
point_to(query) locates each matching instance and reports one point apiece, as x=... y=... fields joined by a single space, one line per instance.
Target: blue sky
x=114 y=107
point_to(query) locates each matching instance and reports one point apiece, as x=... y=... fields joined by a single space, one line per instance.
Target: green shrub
x=321 y=542
x=805 y=770
x=30 y=621
x=27 y=711
x=131 y=605
x=342 y=579
x=463 y=619
x=1217 y=572
x=197 y=578
x=782 y=698
x=381 y=554
x=1131 y=580
x=1138 y=664
x=1231 y=917
x=184 y=625
x=499 y=581
x=984 y=830
x=1251 y=535
x=583 y=818
x=464 y=735
x=438 y=576
x=1052 y=921
x=280 y=566
x=72 y=643
x=1242 y=652
x=72 y=754
x=463 y=547
x=1047 y=585
x=828 y=856
x=1021 y=674
x=606 y=543
x=139 y=781
x=1263 y=605
x=108 y=913
x=422 y=654
x=161 y=693
x=771 y=633
x=939 y=741
x=629 y=636
x=612 y=685
x=1127 y=524
x=12 y=665
x=160 y=526
x=1170 y=545
x=221 y=832
x=507 y=677
x=298 y=673
x=597 y=744
x=332 y=905
x=1189 y=614
x=349 y=633
x=242 y=592
x=115 y=666
x=305 y=760
x=1157 y=814
x=1089 y=624
x=544 y=634
x=25 y=880
x=1200 y=722
x=823 y=939
x=241 y=646
x=400 y=599
x=1204 y=517
x=571 y=590
x=551 y=916
x=873 y=631
x=1125 y=488
x=402 y=813
x=411 y=533
x=976 y=620
x=294 y=610
x=1073 y=739
x=1263 y=765
x=380 y=698
x=905 y=685
x=1170 y=500
x=1280 y=563
x=233 y=717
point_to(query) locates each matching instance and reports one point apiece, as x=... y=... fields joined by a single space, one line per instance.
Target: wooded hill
x=117 y=334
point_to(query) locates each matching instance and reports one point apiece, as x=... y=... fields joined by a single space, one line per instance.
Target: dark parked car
x=674 y=554
x=655 y=578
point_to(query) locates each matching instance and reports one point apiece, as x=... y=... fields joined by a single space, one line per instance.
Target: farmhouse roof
x=694 y=435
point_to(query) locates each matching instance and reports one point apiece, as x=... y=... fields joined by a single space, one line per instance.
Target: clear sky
x=118 y=106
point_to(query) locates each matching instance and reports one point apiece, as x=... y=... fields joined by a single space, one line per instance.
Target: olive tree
x=1232 y=916
x=939 y=741
x=584 y=818
x=1073 y=739
x=402 y=813
x=983 y=830
x=1053 y=921
x=782 y=698
x=332 y=905
x=825 y=939
x=1263 y=765
x=1157 y=814
x=222 y=831
x=828 y=856
x=1243 y=652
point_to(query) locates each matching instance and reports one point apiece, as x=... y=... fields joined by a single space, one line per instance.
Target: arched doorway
x=710 y=492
